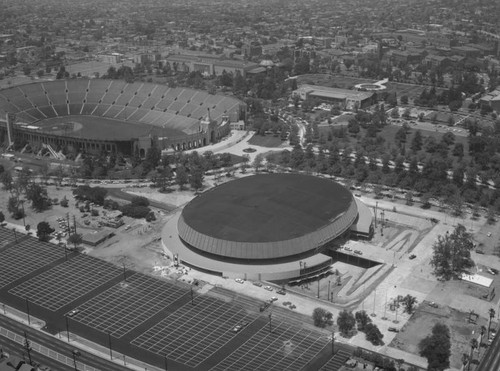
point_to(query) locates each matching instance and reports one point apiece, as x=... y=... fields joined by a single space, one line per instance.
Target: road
x=491 y=360
x=14 y=349
x=118 y=193
x=56 y=345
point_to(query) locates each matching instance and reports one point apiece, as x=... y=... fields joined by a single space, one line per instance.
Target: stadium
x=112 y=115
x=266 y=227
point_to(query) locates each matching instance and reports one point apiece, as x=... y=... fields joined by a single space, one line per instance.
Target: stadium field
x=93 y=127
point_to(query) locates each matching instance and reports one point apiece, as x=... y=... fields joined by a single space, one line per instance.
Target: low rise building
x=347 y=99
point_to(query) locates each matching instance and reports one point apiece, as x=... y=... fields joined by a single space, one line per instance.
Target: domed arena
x=95 y=115
x=267 y=226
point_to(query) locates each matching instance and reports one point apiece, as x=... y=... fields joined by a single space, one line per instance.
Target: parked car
x=358 y=252
x=412 y=256
x=281 y=292
x=268 y=288
x=274 y=298
x=393 y=329
x=258 y=284
x=74 y=312
x=236 y=328
x=239 y=280
x=432 y=304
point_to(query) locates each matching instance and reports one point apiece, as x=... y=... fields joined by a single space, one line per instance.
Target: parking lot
x=66 y=282
x=126 y=305
x=194 y=332
x=21 y=259
x=286 y=347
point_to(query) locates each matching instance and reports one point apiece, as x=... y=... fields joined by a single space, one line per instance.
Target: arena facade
x=266 y=227
x=92 y=115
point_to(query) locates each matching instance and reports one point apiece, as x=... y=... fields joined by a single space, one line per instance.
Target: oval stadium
x=267 y=226
x=112 y=115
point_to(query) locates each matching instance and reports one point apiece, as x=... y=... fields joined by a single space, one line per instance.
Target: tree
x=451 y=257
x=322 y=317
x=181 y=176
x=38 y=197
x=43 y=231
x=437 y=348
x=196 y=177
x=7 y=181
x=409 y=303
x=417 y=141
x=75 y=239
x=139 y=201
x=345 y=322
x=373 y=334
x=258 y=161
x=2 y=217
x=362 y=319
x=64 y=202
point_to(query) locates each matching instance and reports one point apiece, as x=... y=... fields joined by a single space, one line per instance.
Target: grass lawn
x=269 y=141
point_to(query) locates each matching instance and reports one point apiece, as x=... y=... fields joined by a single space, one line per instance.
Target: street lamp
x=76 y=353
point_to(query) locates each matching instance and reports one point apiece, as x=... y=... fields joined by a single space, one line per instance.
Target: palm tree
x=465 y=360
x=473 y=345
x=483 y=330
x=491 y=312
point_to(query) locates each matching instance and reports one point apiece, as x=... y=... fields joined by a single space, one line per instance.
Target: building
x=27 y=54
x=347 y=99
x=492 y=100
x=248 y=228
x=209 y=64
x=113 y=58
x=251 y=50
x=94 y=239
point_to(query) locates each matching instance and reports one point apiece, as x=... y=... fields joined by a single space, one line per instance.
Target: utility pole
x=74 y=222
x=166 y=363
x=329 y=289
x=69 y=225
x=27 y=346
x=270 y=325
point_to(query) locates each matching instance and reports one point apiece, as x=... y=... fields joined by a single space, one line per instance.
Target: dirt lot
x=421 y=323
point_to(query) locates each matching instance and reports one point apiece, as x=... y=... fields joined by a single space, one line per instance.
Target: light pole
x=67 y=327
x=166 y=363
x=110 y=349
x=28 y=311
x=22 y=206
x=75 y=353
x=333 y=341
x=374 y=297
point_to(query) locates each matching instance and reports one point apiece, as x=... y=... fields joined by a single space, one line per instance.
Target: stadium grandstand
x=112 y=115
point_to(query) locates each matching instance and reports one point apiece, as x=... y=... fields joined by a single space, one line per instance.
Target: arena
x=98 y=115
x=265 y=227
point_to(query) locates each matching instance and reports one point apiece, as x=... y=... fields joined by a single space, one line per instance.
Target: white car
x=239 y=280
x=268 y=288
x=74 y=312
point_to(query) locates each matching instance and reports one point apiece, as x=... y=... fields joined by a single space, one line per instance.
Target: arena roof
x=267 y=216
